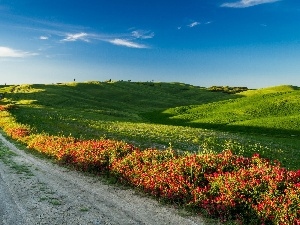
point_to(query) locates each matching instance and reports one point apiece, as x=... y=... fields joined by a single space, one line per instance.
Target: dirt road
x=36 y=191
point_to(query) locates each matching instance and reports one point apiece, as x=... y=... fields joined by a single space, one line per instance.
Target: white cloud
x=126 y=43
x=44 y=38
x=247 y=3
x=6 y=52
x=126 y=40
x=140 y=34
x=75 y=37
x=194 y=24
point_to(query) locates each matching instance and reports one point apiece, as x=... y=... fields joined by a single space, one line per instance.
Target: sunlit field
x=206 y=139
x=160 y=115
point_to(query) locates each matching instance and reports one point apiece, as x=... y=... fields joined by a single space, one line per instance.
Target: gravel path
x=36 y=191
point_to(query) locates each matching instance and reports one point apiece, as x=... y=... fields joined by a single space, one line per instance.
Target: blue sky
x=254 y=43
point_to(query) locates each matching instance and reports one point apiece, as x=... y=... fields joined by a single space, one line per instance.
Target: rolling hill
x=270 y=111
x=162 y=115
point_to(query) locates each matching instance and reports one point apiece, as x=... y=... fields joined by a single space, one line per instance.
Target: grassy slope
x=147 y=114
x=90 y=110
x=270 y=111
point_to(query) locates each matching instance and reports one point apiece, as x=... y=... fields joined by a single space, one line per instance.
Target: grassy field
x=270 y=111
x=161 y=115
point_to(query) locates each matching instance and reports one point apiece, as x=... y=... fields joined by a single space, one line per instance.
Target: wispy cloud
x=126 y=40
x=141 y=34
x=193 y=24
x=63 y=33
x=6 y=52
x=126 y=43
x=75 y=37
x=246 y=3
x=131 y=40
x=38 y=25
x=43 y=38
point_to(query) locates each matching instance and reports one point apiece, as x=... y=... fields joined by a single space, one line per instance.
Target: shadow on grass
x=159 y=117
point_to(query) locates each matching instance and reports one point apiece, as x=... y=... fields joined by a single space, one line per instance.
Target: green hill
x=161 y=115
x=269 y=111
x=55 y=108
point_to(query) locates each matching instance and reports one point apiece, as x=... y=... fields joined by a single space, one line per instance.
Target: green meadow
x=166 y=115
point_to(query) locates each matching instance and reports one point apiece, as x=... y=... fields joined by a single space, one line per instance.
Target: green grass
x=79 y=108
x=163 y=115
x=271 y=111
